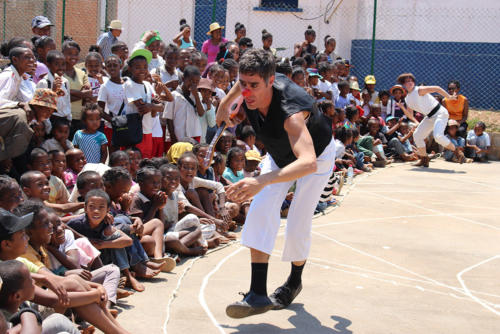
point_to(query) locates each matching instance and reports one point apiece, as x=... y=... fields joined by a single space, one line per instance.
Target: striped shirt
x=105 y=42
x=90 y=144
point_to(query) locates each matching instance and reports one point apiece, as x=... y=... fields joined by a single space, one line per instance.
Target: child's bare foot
x=229 y=235
x=113 y=312
x=123 y=282
x=122 y=293
x=155 y=266
x=212 y=243
x=133 y=283
x=195 y=251
x=88 y=330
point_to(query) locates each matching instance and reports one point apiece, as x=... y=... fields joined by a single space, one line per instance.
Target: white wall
x=422 y=20
x=138 y=16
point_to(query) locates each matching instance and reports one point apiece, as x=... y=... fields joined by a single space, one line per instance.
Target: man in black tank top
x=298 y=138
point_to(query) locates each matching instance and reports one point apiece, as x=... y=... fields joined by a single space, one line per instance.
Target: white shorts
x=263 y=219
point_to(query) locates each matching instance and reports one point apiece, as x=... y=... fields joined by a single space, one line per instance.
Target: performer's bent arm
x=435 y=89
x=303 y=148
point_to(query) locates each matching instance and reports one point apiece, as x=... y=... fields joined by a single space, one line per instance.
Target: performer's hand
x=244 y=190
x=453 y=97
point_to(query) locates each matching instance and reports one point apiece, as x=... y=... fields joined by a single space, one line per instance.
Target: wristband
x=16 y=318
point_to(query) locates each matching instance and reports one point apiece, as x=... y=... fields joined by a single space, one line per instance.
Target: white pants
x=436 y=124
x=263 y=220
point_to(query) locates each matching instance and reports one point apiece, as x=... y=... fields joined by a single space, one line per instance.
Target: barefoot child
x=183 y=236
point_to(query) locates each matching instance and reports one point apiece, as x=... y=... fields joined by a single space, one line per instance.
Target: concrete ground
x=407 y=251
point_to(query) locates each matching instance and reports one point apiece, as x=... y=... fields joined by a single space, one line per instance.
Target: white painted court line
x=201 y=295
x=466 y=289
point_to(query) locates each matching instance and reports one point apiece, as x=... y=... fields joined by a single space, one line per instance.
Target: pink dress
x=211 y=50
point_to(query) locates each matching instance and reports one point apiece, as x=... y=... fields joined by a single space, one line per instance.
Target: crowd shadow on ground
x=437 y=170
x=303 y=322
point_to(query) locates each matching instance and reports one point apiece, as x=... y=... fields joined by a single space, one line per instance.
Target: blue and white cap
x=40 y=22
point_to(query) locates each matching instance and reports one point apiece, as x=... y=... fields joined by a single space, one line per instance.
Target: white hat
x=115 y=24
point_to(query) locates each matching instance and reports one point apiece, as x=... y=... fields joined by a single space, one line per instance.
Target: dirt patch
x=490 y=118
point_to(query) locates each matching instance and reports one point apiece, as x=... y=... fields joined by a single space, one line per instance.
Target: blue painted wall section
x=475 y=65
x=203 y=17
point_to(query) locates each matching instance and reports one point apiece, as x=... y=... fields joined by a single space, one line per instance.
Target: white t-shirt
x=339 y=149
x=220 y=93
x=63 y=102
x=165 y=76
x=185 y=118
x=66 y=246
x=141 y=91
x=206 y=121
x=113 y=95
x=157 y=62
x=423 y=104
x=482 y=141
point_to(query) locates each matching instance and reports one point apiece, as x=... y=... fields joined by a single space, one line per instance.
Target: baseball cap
x=156 y=37
x=141 y=52
x=314 y=73
x=10 y=223
x=354 y=85
x=40 y=22
x=206 y=84
x=370 y=80
x=390 y=118
x=253 y=155
x=452 y=122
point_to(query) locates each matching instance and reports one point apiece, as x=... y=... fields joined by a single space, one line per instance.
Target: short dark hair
x=233 y=151
x=6 y=183
x=53 y=55
x=454 y=82
x=229 y=63
x=185 y=155
x=59 y=122
x=343 y=84
x=26 y=178
x=115 y=174
x=297 y=70
x=118 y=45
x=191 y=71
x=117 y=155
x=83 y=178
x=16 y=52
x=325 y=105
x=481 y=124
x=93 y=55
x=30 y=206
x=13 y=279
x=323 y=67
x=383 y=93
x=168 y=167
x=350 y=111
x=247 y=131
x=144 y=172
x=299 y=61
x=36 y=153
x=69 y=43
x=87 y=108
x=97 y=193
x=197 y=147
x=284 y=67
x=258 y=61
x=343 y=134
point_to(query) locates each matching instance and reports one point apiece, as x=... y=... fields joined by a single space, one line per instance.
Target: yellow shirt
x=81 y=79
x=39 y=259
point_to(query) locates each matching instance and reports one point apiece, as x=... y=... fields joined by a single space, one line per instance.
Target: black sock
x=295 y=277
x=259 y=278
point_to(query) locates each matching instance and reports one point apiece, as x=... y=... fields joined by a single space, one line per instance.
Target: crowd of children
x=114 y=187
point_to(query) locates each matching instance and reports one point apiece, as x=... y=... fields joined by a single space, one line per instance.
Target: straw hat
x=253 y=155
x=116 y=25
x=214 y=26
x=397 y=87
x=44 y=97
x=354 y=85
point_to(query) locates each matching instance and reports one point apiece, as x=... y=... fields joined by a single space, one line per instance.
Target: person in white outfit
x=436 y=116
x=300 y=147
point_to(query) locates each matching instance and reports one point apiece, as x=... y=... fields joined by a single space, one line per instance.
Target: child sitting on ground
x=235 y=164
x=117 y=183
x=478 y=143
x=248 y=135
x=58 y=161
x=147 y=205
x=183 y=236
x=343 y=137
x=10 y=193
x=252 y=161
x=452 y=134
x=59 y=140
x=17 y=288
x=75 y=159
x=225 y=143
x=92 y=142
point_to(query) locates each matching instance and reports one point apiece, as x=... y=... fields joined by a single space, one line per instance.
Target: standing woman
x=458 y=108
x=183 y=39
x=436 y=116
x=240 y=31
x=78 y=83
x=211 y=47
x=267 y=41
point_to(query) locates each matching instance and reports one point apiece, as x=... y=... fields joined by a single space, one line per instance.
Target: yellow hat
x=370 y=80
x=253 y=155
x=116 y=25
x=214 y=26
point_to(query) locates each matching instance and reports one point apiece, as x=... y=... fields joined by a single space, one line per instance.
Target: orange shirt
x=455 y=107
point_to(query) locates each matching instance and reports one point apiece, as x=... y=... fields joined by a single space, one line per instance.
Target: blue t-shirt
x=229 y=175
x=90 y=144
x=341 y=102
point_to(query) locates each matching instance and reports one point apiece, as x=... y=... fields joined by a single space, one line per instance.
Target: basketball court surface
x=408 y=250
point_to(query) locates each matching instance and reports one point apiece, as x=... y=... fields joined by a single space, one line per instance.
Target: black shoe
x=251 y=304
x=284 y=296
